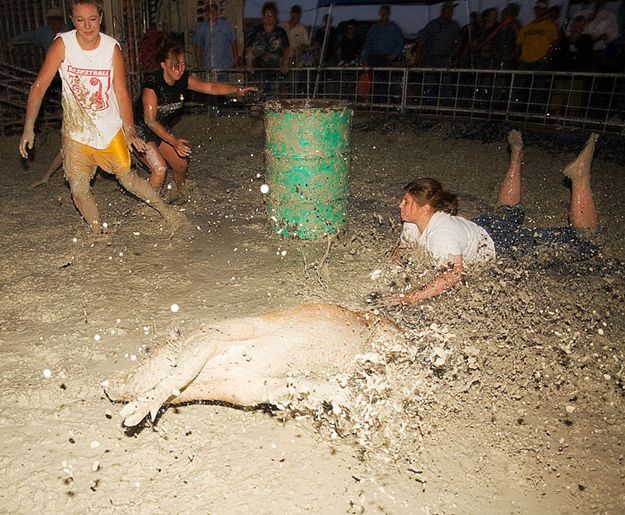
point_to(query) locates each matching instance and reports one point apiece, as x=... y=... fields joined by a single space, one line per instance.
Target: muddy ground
x=518 y=407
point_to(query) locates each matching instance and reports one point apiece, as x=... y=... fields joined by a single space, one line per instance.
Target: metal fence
x=557 y=99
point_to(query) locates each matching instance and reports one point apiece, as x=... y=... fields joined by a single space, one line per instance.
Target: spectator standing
x=266 y=46
x=602 y=26
x=299 y=42
x=385 y=42
x=170 y=19
x=536 y=41
x=504 y=38
x=464 y=48
x=44 y=36
x=576 y=50
x=438 y=40
x=484 y=55
x=148 y=49
x=575 y=54
x=329 y=57
x=215 y=42
x=349 y=47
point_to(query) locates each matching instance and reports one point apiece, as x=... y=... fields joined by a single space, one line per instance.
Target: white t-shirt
x=90 y=110
x=298 y=35
x=447 y=236
x=605 y=22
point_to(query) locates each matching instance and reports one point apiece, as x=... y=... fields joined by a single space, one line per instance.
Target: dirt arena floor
x=512 y=386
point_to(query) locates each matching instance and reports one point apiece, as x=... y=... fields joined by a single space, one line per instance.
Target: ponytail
x=430 y=191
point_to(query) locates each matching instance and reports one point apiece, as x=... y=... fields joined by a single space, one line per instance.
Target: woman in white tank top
x=97 y=113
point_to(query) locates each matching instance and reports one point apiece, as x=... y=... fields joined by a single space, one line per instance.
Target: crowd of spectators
x=491 y=40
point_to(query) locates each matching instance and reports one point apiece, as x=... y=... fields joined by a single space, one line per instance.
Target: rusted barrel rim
x=305 y=104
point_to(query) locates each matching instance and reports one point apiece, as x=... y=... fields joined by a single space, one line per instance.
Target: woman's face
x=173 y=68
x=410 y=210
x=87 y=20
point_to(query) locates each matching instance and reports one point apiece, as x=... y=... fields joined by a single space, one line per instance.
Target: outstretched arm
x=51 y=64
x=439 y=284
x=217 y=88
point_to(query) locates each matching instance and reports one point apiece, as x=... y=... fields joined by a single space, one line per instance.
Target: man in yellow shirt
x=537 y=40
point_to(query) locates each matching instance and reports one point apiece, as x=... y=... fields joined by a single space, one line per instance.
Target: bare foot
x=580 y=167
x=515 y=140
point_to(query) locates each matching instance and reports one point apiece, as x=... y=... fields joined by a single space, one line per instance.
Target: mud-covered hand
x=246 y=89
x=26 y=142
x=134 y=141
x=408 y=297
x=181 y=146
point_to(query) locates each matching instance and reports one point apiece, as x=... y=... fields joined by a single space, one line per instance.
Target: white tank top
x=90 y=110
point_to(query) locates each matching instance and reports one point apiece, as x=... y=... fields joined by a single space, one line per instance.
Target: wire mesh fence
x=558 y=100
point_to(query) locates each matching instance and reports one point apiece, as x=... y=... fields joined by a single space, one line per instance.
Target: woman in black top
x=160 y=105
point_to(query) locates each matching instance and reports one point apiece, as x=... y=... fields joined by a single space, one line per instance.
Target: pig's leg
x=180 y=363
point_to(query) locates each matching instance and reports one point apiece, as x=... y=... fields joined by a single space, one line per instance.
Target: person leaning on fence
x=98 y=125
x=160 y=104
x=430 y=221
x=267 y=46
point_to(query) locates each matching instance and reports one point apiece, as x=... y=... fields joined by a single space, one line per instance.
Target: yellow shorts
x=80 y=161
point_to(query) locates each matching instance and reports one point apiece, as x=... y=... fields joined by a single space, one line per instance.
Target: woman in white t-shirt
x=431 y=222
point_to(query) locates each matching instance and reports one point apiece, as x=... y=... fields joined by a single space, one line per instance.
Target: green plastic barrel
x=307 y=161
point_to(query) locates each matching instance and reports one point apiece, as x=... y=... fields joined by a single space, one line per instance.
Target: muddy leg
x=179 y=165
x=54 y=166
x=510 y=189
x=157 y=165
x=191 y=357
x=89 y=210
x=176 y=364
x=583 y=212
x=80 y=186
x=142 y=189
